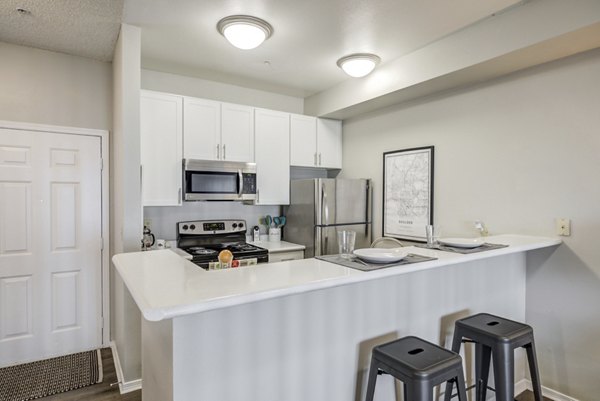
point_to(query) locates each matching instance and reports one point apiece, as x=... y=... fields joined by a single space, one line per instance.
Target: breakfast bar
x=304 y=329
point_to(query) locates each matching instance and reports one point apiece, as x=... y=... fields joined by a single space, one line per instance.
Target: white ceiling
x=87 y=28
x=309 y=36
x=180 y=36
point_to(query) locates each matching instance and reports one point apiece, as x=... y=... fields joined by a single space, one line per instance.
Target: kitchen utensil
x=277 y=221
x=282 y=221
x=381 y=255
x=346 y=241
x=268 y=221
x=462 y=242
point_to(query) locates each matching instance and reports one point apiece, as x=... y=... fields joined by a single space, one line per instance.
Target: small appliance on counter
x=204 y=240
x=148 y=239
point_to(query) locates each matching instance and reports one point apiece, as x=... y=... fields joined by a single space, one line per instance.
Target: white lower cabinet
x=285 y=256
x=161 y=118
x=271 y=148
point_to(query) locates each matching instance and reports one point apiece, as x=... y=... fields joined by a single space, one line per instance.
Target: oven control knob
x=234 y=225
x=241 y=225
x=185 y=227
x=192 y=227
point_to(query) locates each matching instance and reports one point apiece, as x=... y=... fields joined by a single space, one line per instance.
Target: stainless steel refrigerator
x=321 y=207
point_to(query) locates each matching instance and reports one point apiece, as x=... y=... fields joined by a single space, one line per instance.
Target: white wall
x=126 y=202
x=190 y=86
x=40 y=86
x=515 y=152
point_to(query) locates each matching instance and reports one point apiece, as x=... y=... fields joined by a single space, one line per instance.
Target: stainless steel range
x=204 y=239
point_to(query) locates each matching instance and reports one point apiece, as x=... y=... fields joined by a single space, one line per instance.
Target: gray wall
x=515 y=152
x=44 y=87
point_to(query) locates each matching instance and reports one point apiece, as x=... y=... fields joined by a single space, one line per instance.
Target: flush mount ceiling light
x=359 y=64
x=244 y=31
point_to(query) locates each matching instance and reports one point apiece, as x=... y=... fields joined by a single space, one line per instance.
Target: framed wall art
x=408 y=193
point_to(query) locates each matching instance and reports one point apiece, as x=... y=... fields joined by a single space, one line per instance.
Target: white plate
x=462 y=242
x=381 y=255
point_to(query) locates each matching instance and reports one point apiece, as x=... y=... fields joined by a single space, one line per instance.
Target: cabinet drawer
x=283 y=256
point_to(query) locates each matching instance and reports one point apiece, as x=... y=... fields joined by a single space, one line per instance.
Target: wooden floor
x=101 y=391
x=104 y=392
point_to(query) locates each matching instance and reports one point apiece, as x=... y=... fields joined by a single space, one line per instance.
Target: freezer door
x=300 y=214
x=343 y=201
x=326 y=238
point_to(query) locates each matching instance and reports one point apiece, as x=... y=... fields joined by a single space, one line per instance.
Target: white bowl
x=462 y=242
x=381 y=255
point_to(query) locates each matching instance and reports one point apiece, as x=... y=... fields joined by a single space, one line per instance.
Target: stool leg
x=482 y=370
x=418 y=391
x=372 y=380
x=504 y=373
x=460 y=384
x=533 y=371
x=456 y=342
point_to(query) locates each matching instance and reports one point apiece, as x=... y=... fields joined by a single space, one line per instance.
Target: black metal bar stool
x=419 y=364
x=497 y=338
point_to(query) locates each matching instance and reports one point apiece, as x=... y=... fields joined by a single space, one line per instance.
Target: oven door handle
x=241 y=183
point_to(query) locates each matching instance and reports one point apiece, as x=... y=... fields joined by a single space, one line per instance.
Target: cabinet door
x=329 y=143
x=272 y=157
x=201 y=129
x=303 y=141
x=161 y=148
x=237 y=132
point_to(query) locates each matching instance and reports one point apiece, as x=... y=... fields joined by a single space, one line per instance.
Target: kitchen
x=526 y=139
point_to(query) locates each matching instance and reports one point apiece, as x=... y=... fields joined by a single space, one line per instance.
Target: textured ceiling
x=309 y=36
x=87 y=28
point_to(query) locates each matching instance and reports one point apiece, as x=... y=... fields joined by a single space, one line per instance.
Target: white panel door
x=201 y=129
x=303 y=140
x=272 y=157
x=161 y=148
x=329 y=143
x=50 y=245
x=237 y=133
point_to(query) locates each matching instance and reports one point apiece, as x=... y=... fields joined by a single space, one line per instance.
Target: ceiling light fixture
x=359 y=64
x=244 y=31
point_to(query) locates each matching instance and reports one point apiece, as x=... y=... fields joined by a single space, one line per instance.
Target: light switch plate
x=563 y=227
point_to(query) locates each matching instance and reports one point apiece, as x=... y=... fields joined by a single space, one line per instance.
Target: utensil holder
x=274 y=234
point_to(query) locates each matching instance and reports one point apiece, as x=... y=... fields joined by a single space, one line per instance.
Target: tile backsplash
x=164 y=218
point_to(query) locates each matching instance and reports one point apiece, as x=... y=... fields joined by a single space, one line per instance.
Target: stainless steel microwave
x=212 y=180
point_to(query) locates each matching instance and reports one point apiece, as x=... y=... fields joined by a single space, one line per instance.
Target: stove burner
x=197 y=250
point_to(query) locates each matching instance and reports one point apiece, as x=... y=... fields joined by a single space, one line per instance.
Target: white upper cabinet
x=329 y=143
x=237 y=133
x=272 y=136
x=315 y=142
x=161 y=134
x=218 y=131
x=303 y=140
x=202 y=129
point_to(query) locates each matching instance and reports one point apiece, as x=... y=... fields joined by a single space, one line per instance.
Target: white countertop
x=279 y=246
x=165 y=285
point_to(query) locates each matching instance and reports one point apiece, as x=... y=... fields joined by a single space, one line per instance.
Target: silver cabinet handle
x=218 y=152
x=315 y=158
x=224 y=154
x=319 y=158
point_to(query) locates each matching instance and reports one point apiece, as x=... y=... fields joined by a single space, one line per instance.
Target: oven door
x=219 y=181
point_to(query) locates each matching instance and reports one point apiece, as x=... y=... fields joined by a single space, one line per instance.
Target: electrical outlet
x=148 y=223
x=563 y=227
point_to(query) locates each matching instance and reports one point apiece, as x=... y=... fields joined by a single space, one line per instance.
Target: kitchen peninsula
x=303 y=330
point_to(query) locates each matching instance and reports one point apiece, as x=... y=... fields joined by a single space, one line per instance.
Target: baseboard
x=124 y=387
x=554 y=395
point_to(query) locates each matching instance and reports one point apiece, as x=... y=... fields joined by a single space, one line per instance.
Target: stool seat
x=498 y=329
x=419 y=364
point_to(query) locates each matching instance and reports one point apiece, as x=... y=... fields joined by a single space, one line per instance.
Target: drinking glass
x=432 y=232
x=346 y=241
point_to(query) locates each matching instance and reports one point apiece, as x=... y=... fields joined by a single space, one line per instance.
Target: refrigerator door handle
x=324 y=204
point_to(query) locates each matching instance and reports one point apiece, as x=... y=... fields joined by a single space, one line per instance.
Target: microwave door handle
x=241 y=183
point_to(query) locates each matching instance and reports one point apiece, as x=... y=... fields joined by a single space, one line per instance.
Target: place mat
x=50 y=376
x=485 y=247
x=356 y=263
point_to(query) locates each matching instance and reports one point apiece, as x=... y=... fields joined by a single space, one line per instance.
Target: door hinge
x=101 y=322
x=101 y=243
x=101 y=164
